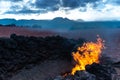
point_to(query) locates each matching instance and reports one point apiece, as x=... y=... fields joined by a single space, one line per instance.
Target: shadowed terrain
x=31 y=51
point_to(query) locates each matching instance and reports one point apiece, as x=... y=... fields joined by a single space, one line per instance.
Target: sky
x=87 y=10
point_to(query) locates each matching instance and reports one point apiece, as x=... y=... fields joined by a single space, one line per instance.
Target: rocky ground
x=20 y=55
x=58 y=62
x=92 y=72
x=20 y=52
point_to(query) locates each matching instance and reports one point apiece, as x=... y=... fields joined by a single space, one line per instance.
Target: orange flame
x=87 y=54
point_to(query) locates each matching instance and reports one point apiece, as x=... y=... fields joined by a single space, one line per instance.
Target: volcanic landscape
x=48 y=55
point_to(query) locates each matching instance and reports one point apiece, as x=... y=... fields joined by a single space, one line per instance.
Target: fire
x=87 y=54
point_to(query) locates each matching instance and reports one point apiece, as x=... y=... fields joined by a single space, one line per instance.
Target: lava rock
x=79 y=75
x=102 y=72
x=83 y=75
x=8 y=43
x=18 y=52
x=58 y=78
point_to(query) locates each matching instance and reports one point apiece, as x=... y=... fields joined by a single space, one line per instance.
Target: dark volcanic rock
x=102 y=72
x=8 y=43
x=18 y=52
x=79 y=75
x=83 y=75
x=92 y=72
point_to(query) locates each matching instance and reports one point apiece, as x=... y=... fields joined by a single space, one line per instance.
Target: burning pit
x=87 y=63
x=87 y=54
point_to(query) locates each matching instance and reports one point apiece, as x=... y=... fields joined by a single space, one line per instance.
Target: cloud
x=26 y=11
x=4 y=6
x=15 y=0
x=52 y=5
x=115 y=2
x=56 y=4
x=42 y=6
x=72 y=9
x=12 y=0
x=70 y=3
x=77 y=3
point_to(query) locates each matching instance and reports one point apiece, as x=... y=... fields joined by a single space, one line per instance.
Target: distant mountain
x=56 y=23
x=61 y=19
x=96 y=25
x=60 y=24
x=79 y=20
x=7 y=21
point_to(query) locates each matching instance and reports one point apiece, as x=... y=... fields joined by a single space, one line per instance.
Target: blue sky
x=88 y=10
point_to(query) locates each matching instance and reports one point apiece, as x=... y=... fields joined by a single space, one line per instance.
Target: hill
x=60 y=23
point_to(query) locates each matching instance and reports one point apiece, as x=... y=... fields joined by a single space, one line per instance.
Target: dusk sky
x=87 y=10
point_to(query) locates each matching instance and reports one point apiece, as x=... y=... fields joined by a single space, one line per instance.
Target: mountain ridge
x=60 y=23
